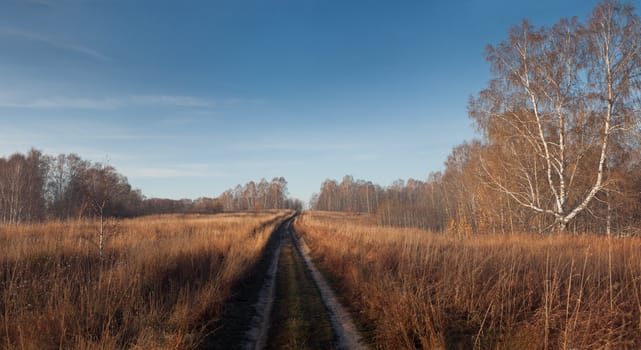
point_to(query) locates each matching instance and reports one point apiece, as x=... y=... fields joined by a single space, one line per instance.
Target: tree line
x=35 y=187
x=560 y=135
x=459 y=200
x=261 y=195
x=411 y=203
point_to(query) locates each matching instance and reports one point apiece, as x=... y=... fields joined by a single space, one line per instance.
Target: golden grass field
x=411 y=288
x=162 y=284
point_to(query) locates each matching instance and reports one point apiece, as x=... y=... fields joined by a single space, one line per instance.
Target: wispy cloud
x=54 y=43
x=272 y=164
x=166 y=172
x=366 y=157
x=73 y=135
x=171 y=100
x=61 y=102
x=293 y=146
x=14 y=139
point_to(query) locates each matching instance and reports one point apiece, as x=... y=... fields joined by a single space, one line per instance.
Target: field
x=193 y=281
x=162 y=283
x=411 y=288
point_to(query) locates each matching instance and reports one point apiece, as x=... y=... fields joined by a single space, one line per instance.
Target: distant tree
x=65 y=186
x=207 y=206
x=22 y=183
x=262 y=189
x=103 y=187
x=313 y=202
x=265 y=195
x=249 y=194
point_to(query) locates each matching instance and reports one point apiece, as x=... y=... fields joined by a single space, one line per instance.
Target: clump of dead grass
x=162 y=282
x=416 y=289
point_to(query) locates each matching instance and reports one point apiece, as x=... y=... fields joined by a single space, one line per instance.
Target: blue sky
x=189 y=98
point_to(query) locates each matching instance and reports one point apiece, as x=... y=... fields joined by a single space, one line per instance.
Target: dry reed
x=415 y=289
x=162 y=283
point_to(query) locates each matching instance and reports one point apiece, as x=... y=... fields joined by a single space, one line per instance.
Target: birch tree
x=560 y=96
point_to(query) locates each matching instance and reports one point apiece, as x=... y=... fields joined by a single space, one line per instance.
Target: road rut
x=297 y=309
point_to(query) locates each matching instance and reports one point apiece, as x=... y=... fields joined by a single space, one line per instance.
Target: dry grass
x=162 y=284
x=416 y=289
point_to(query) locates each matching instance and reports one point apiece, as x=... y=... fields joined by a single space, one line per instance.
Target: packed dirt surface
x=257 y=334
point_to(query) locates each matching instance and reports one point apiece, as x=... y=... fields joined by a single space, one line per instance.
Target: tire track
x=256 y=336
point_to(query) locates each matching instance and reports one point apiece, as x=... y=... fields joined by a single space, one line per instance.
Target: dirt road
x=286 y=305
x=299 y=319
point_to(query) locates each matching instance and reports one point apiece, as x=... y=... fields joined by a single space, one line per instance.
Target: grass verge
x=418 y=289
x=162 y=284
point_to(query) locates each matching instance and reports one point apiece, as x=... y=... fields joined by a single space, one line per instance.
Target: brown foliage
x=561 y=106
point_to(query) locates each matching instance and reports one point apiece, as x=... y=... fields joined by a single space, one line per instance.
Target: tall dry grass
x=162 y=283
x=416 y=289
